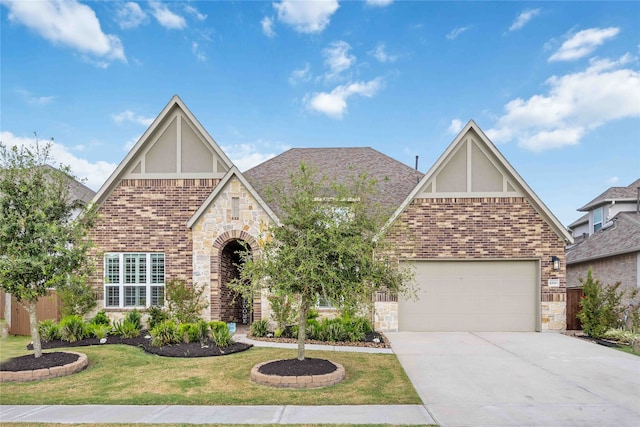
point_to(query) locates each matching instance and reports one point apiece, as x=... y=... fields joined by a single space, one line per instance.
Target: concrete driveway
x=520 y=379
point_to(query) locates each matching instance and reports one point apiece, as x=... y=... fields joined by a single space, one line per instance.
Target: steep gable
x=174 y=146
x=472 y=167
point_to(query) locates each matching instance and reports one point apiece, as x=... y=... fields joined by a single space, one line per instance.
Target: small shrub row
x=168 y=332
x=73 y=328
x=344 y=328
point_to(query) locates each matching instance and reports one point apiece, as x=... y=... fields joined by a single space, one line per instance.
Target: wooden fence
x=48 y=307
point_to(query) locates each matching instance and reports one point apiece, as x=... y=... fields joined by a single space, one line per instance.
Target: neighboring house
x=482 y=242
x=608 y=240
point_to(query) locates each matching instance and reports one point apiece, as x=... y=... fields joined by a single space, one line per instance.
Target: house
x=608 y=240
x=480 y=239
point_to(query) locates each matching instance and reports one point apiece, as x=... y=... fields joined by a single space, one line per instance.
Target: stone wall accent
x=149 y=215
x=620 y=268
x=304 y=381
x=46 y=373
x=485 y=228
x=215 y=229
x=386 y=316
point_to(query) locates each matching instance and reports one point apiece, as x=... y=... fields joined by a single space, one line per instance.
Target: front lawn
x=125 y=375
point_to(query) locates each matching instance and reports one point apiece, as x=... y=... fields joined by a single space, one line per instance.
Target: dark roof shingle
x=629 y=192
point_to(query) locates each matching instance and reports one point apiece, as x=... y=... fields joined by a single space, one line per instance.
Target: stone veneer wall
x=484 y=228
x=215 y=229
x=621 y=268
x=149 y=215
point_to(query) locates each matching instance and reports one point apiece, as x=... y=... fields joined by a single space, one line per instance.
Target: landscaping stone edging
x=46 y=373
x=303 y=381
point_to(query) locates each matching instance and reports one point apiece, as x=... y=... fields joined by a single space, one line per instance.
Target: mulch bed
x=295 y=367
x=368 y=341
x=30 y=363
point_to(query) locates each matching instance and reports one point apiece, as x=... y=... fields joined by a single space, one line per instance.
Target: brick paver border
x=303 y=381
x=44 y=374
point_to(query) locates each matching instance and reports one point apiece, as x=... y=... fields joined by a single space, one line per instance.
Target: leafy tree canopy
x=326 y=244
x=41 y=244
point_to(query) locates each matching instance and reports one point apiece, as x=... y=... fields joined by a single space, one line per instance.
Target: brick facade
x=150 y=215
x=620 y=268
x=485 y=228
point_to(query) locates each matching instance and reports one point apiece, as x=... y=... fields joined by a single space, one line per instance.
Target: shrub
x=76 y=296
x=73 y=328
x=126 y=328
x=625 y=337
x=135 y=317
x=157 y=315
x=600 y=305
x=185 y=302
x=165 y=333
x=49 y=330
x=259 y=328
x=356 y=328
x=221 y=336
x=101 y=318
x=99 y=330
x=313 y=314
x=282 y=311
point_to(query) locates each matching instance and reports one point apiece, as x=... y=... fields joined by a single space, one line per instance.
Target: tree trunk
x=6 y=327
x=35 y=333
x=302 y=326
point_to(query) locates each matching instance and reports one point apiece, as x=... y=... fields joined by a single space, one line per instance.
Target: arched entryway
x=233 y=308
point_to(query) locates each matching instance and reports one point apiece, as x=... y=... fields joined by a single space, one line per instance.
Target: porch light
x=556 y=262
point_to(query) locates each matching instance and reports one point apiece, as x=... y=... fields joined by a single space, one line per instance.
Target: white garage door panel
x=472 y=296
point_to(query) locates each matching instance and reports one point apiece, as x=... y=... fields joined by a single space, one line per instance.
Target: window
x=133 y=279
x=235 y=208
x=597 y=219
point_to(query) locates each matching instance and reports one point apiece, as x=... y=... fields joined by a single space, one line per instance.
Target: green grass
x=125 y=375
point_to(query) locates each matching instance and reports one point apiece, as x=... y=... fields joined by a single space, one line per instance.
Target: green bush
x=622 y=336
x=157 y=315
x=283 y=312
x=259 y=328
x=101 y=318
x=49 y=330
x=135 y=317
x=185 y=302
x=600 y=306
x=77 y=296
x=313 y=314
x=99 y=330
x=73 y=328
x=166 y=332
x=221 y=336
x=126 y=328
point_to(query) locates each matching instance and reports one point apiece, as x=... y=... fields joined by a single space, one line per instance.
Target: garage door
x=472 y=296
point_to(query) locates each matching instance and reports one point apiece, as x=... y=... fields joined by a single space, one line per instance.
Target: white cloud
x=583 y=43
x=380 y=53
x=68 y=23
x=337 y=59
x=130 y=15
x=195 y=49
x=613 y=180
x=379 y=3
x=246 y=156
x=195 y=12
x=34 y=100
x=167 y=18
x=306 y=16
x=455 y=127
x=574 y=105
x=456 y=32
x=300 y=75
x=524 y=18
x=130 y=116
x=95 y=173
x=334 y=103
x=267 y=27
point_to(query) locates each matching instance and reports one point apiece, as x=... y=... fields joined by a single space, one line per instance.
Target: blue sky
x=555 y=85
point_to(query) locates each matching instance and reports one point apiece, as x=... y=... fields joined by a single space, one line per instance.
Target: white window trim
x=601 y=222
x=121 y=283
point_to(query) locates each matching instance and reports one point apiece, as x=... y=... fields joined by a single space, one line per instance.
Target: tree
x=326 y=244
x=600 y=306
x=41 y=245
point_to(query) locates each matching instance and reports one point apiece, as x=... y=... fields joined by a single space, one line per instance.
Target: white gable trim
x=125 y=165
x=220 y=187
x=529 y=194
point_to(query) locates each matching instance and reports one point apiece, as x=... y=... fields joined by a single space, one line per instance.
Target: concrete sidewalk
x=286 y=414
